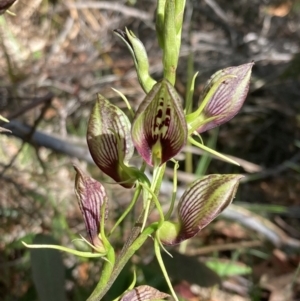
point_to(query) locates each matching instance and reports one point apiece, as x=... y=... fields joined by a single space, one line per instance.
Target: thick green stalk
x=107 y=270
x=171 y=50
x=105 y=283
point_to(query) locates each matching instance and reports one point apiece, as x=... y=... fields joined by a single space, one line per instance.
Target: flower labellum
x=222 y=98
x=159 y=129
x=109 y=141
x=144 y=293
x=199 y=205
x=91 y=197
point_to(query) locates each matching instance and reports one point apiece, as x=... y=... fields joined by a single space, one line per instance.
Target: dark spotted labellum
x=199 y=205
x=159 y=129
x=91 y=198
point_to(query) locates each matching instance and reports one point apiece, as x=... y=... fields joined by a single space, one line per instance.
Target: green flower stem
x=110 y=273
x=128 y=209
x=157 y=204
x=106 y=272
x=189 y=106
x=205 y=160
x=158 y=173
x=211 y=151
x=171 y=49
x=168 y=215
x=163 y=268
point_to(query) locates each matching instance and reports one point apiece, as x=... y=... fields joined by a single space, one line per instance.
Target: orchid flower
x=159 y=129
x=200 y=204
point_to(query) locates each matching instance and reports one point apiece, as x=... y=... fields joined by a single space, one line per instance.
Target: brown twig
x=34 y=103
x=29 y=134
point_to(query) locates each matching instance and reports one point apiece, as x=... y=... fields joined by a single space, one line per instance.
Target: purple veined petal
x=109 y=139
x=204 y=201
x=91 y=197
x=159 y=129
x=143 y=293
x=226 y=99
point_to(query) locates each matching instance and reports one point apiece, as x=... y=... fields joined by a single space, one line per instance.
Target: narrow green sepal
x=64 y=249
x=212 y=151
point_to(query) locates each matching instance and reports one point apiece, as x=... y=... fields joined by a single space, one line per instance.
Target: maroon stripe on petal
x=203 y=201
x=91 y=197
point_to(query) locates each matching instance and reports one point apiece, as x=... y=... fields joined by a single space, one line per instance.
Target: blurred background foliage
x=56 y=55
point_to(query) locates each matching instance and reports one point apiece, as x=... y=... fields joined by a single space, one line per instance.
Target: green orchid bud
x=91 y=198
x=143 y=293
x=222 y=98
x=139 y=56
x=109 y=142
x=159 y=129
x=199 y=205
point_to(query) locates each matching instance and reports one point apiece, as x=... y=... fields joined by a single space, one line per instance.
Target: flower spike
x=159 y=129
x=109 y=142
x=222 y=98
x=91 y=198
x=199 y=205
